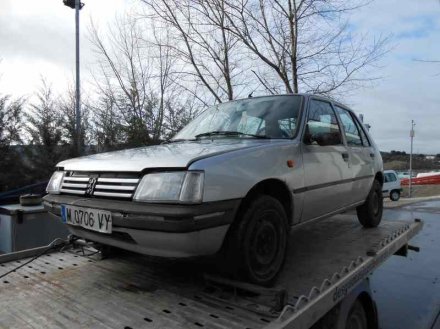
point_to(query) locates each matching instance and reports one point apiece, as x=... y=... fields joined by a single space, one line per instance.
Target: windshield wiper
x=177 y=140
x=229 y=133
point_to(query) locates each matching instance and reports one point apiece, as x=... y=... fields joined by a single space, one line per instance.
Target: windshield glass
x=271 y=117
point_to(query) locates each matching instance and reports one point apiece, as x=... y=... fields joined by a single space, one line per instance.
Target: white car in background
x=403 y=174
x=391 y=187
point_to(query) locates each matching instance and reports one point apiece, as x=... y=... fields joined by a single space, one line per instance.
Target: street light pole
x=411 y=134
x=78 y=90
x=77 y=5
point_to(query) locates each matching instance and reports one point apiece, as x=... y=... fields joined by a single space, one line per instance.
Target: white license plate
x=89 y=218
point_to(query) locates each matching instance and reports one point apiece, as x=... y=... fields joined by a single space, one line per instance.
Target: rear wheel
x=395 y=195
x=357 y=317
x=370 y=213
x=257 y=243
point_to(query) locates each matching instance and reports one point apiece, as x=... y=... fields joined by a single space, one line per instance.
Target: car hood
x=173 y=155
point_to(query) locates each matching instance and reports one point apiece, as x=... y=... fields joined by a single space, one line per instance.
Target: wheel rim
x=266 y=245
x=394 y=195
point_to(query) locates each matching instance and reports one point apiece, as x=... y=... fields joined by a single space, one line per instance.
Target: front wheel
x=258 y=241
x=395 y=195
x=370 y=213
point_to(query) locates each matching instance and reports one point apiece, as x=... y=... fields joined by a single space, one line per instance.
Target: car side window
x=322 y=125
x=351 y=129
x=389 y=177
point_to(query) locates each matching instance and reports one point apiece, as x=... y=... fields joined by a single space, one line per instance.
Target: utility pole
x=77 y=5
x=411 y=135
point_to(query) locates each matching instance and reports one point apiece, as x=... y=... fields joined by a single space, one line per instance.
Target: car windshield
x=262 y=117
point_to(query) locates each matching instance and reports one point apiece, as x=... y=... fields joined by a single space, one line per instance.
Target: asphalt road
x=407 y=290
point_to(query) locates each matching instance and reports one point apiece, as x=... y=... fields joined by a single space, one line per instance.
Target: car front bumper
x=167 y=230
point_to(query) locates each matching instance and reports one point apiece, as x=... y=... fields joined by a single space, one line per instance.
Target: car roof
x=305 y=95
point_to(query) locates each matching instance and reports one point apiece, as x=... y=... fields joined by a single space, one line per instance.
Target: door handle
x=345 y=156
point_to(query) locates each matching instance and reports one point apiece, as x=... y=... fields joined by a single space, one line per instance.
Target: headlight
x=178 y=186
x=55 y=183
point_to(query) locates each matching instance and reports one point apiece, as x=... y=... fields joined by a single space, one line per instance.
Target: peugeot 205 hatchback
x=234 y=180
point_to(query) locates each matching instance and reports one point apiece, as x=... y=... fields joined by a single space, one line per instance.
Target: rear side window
x=390 y=177
x=352 y=133
x=365 y=140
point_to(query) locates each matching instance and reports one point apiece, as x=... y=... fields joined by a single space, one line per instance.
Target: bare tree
x=307 y=44
x=271 y=45
x=162 y=59
x=205 y=45
x=135 y=80
x=125 y=75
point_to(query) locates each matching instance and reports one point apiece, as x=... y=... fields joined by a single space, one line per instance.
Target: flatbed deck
x=324 y=262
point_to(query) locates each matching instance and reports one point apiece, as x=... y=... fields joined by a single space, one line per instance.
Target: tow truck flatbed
x=325 y=261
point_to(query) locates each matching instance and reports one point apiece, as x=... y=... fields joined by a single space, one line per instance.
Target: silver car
x=233 y=182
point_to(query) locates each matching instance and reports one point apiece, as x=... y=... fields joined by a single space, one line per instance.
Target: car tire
x=357 y=317
x=395 y=195
x=370 y=213
x=257 y=241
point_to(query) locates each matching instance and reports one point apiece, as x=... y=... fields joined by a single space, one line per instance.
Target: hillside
x=397 y=160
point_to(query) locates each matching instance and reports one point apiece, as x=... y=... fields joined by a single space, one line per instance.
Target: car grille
x=103 y=185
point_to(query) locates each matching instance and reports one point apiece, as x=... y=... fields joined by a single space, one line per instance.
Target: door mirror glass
x=313 y=135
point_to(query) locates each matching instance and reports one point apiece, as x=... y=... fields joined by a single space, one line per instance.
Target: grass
x=422 y=191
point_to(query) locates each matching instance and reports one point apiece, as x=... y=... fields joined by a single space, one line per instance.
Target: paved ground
x=407 y=290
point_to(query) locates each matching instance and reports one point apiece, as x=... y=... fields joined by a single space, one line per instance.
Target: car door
x=361 y=154
x=386 y=183
x=390 y=182
x=327 y=172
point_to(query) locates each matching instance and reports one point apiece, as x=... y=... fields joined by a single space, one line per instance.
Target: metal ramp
x=67 y=290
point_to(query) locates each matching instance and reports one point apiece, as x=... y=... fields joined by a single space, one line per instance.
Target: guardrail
x=427 y=180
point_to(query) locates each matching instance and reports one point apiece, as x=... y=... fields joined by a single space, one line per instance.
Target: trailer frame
x=202 y=308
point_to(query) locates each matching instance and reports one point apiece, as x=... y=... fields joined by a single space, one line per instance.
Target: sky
x=37 y=40
x=410 y=89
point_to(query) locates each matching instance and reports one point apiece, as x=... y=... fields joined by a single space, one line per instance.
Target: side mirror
x=327 y=139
